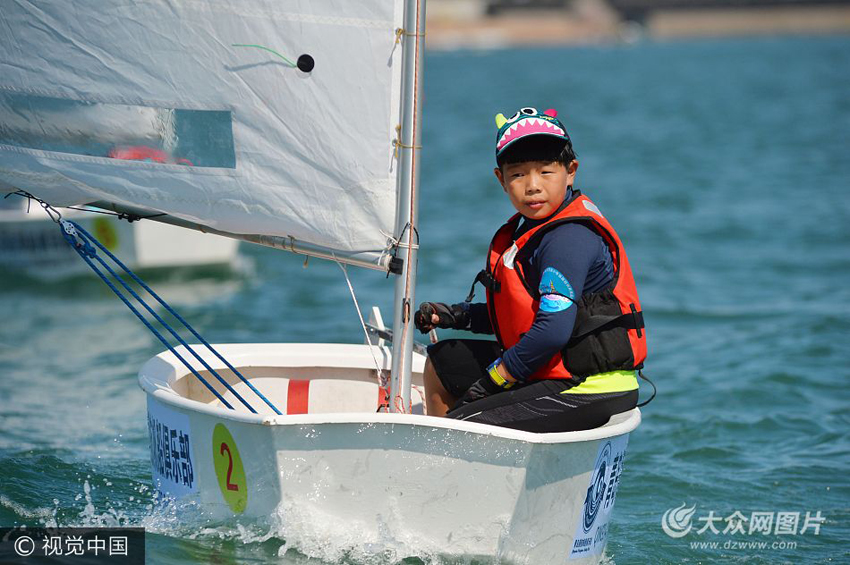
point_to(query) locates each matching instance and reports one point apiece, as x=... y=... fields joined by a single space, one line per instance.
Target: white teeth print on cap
x=526 y=125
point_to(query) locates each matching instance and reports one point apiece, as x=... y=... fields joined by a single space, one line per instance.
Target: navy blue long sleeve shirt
x=570 y=260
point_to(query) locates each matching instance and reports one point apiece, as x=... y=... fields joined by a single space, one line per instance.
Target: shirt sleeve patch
x=553 y=282
x=554 y=303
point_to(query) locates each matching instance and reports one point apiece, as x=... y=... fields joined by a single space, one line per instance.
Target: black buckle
x=638 y=319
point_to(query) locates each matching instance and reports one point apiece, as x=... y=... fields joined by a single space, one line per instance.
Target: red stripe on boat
x=297 y=397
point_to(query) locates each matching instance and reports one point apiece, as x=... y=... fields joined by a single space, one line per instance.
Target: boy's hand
x=497 y=380
x=426 y=319
x=439 y=315
x=481 y=388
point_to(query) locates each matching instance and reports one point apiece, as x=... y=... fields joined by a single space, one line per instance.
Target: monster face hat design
x=525 y=122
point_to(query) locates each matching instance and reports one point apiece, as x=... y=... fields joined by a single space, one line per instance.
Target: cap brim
x=530 y=135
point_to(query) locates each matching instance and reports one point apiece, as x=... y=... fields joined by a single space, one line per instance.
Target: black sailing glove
x=482 y=388
x=454 y=317
x=485 y=386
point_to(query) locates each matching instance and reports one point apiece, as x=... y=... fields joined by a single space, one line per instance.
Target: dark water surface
x=724 y=166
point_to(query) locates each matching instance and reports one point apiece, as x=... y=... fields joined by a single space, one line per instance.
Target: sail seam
x=187 y=104
x=72 y=157
x=292 y=17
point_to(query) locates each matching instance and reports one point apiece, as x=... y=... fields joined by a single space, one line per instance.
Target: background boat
x=31 y=243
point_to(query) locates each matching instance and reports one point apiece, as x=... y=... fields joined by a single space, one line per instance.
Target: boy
x=561 y=301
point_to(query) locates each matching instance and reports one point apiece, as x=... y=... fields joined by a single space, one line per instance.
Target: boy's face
x=536 y=188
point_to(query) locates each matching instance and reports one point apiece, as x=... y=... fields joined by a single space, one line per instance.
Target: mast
x=406 y=231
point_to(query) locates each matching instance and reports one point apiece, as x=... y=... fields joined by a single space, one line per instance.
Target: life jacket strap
x=631 y=321
x=487 y=279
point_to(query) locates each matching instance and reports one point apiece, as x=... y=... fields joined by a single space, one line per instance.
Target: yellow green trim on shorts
x=614 y=381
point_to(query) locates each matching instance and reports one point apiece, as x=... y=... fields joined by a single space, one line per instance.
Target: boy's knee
x=430 y=373
x=437 y=398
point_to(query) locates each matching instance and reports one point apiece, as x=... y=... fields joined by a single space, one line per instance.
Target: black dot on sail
x=306 y=63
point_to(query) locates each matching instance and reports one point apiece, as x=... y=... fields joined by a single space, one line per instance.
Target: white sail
x=196 y=110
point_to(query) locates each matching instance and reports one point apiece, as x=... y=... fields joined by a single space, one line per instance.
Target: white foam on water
x=319 y=535
x=89 y=516
x=113 y=516
x=305 y=533
x=42 y=514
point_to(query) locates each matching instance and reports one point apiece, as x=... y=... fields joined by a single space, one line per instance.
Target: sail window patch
x=170 y=136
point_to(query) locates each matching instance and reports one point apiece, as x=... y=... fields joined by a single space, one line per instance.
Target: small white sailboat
x=302 y=124
x=340 y=470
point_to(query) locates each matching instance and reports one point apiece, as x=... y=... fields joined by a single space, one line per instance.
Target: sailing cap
x=526 y=122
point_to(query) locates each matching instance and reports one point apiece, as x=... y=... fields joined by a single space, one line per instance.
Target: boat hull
x=411 y=484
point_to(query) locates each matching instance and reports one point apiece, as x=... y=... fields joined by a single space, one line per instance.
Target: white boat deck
x=317 y=383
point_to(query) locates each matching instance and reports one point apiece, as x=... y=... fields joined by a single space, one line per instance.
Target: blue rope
x=86 y=251
x=182 y=321
x=174 y=313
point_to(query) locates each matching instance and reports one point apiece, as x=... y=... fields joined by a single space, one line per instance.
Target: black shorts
x=538 y=406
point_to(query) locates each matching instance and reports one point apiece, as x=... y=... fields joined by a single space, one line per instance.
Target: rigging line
x=120 y=215
x=391 y=248
x=22 y=194
x=272 y=51
x=50 y=210
x=88 y=249
x=179 y=318
x=397 y=143
x=399 y=241
x=156 y=316
x=84 y=250
x=401 y=32
x=380 y=371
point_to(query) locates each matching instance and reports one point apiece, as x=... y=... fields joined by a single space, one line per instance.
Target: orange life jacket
x=609 y=331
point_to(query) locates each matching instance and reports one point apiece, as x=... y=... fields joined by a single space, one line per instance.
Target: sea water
x=724 y=166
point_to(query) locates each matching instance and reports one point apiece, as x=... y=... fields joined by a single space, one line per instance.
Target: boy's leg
x=545 y=407
x=438 y=401
x=453 y=366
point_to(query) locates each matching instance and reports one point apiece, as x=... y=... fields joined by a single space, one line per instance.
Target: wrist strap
x=498 y=379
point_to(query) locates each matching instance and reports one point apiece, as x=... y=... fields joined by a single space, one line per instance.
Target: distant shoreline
x=517 y=29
